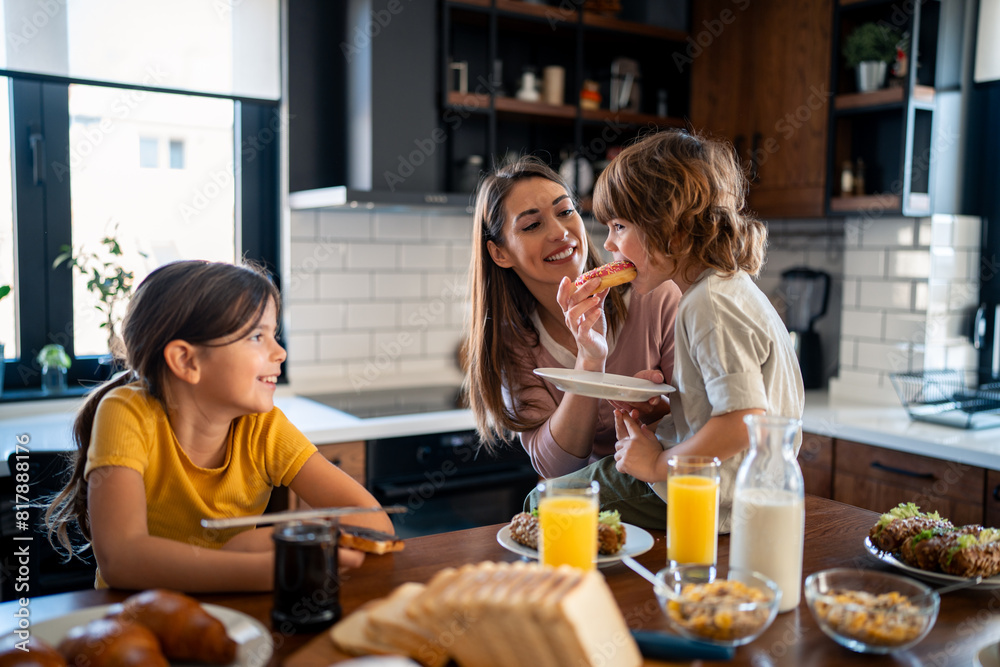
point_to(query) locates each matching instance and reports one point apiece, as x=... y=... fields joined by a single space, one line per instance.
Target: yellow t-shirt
x=131 y=430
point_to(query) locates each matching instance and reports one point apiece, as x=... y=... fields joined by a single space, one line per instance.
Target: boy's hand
x=637 y=451
x=650 y=411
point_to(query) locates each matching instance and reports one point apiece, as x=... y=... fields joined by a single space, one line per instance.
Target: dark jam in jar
x=306 y=581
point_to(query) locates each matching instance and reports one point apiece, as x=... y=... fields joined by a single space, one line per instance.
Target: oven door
x=446 y=482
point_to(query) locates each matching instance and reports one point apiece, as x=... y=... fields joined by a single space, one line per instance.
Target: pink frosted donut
x=615 y=273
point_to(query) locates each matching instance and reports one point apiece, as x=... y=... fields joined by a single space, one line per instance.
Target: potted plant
x=108 y=280
x=54 y=362
x=869 y=49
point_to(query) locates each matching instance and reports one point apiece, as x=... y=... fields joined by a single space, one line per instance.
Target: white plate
x=254 y=640
x=637 y=541
x=932 y=577
x=603 y=385
x=988 y=656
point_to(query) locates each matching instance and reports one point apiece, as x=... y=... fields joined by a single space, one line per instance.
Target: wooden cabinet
x=816 y=462
x=348 y=456
x=487 y=120
x=992 y=500
x=761 y=80
x=879 y=479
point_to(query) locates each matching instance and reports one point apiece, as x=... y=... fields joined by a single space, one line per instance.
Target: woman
x=528 y=237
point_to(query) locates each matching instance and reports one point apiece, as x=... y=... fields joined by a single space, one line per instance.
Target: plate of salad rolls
x=930 y=547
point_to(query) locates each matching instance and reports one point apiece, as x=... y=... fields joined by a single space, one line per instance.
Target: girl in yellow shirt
x=191 y=432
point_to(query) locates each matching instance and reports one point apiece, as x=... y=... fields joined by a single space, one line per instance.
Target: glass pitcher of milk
x=769 y=507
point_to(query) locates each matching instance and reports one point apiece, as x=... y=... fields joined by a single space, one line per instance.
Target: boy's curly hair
x=687 y=194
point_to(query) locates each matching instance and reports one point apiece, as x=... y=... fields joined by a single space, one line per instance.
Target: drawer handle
x=902 y=471
x=996 y=492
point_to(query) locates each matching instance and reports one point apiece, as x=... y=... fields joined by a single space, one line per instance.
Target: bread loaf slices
x=492 y=614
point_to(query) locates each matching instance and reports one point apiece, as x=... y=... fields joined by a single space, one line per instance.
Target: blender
x=806 y=292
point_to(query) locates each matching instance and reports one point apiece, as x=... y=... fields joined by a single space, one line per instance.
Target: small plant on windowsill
x=54 y=362
x=107 y=279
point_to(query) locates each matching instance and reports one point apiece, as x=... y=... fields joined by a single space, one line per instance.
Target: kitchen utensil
x=640 y=569
x=806 y=293
x=297 y=515
x=661 y=646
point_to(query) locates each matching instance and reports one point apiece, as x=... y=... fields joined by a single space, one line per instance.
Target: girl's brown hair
x=196 y=301
x=500 y=327
x=687 y=194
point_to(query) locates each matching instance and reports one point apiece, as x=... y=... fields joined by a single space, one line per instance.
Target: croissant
x=39 y=654
x=187 y=632
x=109 y=642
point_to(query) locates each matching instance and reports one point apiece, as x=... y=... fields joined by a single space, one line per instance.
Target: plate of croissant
x=155 y=628
x=928 y=546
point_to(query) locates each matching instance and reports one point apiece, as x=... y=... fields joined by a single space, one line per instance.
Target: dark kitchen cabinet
x=487 y=122
x=816 y=461
x=760 y=79
x=907 y=134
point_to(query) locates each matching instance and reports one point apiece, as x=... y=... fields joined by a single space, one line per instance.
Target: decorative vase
x=870 y=75
x=53 y=380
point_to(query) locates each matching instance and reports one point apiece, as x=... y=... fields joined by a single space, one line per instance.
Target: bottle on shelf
x=769 y=507
x=847 y=179
x=859 y=178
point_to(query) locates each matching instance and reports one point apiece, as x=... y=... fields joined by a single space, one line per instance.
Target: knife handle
x=661 y=646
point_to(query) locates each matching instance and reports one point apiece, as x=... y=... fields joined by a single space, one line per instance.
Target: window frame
x=43 y=220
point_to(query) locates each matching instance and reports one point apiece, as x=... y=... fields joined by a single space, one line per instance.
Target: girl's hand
x=349 y=559
x=637 y=451
x=651 y=411
x=584 y=314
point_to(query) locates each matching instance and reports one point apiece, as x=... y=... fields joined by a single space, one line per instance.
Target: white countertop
x=882 y=426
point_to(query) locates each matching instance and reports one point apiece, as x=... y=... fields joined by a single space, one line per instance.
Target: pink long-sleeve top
x=644 y=342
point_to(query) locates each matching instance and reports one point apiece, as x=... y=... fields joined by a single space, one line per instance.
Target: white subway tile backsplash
x=455 y=228
x=371 y=316
x=311 y=257
x=443 y=342
x=401 y=227
x=905 y=327
x=920 y=295
x=459 y=257
x=851 y=296
x=925 y=232
x=428 y=367
x=861 y=324
x=964 y=295
x=427 y=256
x=453 y=286
x=301 y=346
x=315 y=316
x=303 y=224
x=345 y=286
x=852 y=232
x=889 y=233
x=371 y=256
x=896 y=295
x=398 y=285
x=891 y=357
x=946 y=264
x=400 y=344
x=848 y=352
x=968 y=232
x=300 y=287
x=961 y=356
x=941 y=230
x=419 y=315
x=864 y=263
x=908 y=264
x=344 y=346
x=346 y=225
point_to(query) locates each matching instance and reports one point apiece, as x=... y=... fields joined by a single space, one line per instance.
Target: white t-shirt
x=731 y=352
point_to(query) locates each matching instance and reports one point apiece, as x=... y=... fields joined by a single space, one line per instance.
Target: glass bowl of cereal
x=728 y=609
x=870 y=611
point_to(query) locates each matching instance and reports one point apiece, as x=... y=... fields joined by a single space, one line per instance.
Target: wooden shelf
x=512 y=105
x=876 y=202
x=630 y=118
x=562 y=15
x=469 y=100
x=883 y=97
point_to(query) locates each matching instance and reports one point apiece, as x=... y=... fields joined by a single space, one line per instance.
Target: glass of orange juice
x=567 y=518
x=692 y=509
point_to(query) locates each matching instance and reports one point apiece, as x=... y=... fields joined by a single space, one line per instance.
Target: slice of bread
x=350 y=633
x=389 y=624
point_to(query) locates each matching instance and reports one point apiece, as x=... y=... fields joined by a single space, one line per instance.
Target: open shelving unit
x=489 y=121
x=891 y=129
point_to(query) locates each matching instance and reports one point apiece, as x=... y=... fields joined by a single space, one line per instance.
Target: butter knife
x=297 y=515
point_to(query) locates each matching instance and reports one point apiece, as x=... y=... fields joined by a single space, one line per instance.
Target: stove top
x=389 y=402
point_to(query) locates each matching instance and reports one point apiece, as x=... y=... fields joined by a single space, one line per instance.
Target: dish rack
x=944 y=397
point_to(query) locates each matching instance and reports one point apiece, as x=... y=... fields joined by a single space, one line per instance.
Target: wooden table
x=834 y=538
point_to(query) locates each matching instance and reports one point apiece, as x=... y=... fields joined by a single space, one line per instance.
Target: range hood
x=370 y=127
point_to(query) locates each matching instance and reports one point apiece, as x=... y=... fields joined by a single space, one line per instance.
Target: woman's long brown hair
x=195 y=301
x=499 y=330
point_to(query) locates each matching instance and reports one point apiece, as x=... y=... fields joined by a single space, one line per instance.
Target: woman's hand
x=637 y=452
x=584 y=315
x=652 y=411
